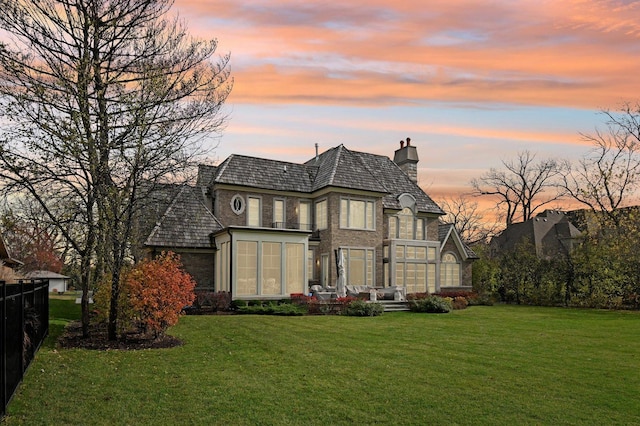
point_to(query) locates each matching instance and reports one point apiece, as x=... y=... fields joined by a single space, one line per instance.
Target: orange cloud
x=575 y=53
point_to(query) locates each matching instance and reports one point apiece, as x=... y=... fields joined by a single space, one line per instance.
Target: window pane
x=421 y=253
x=411 y=252
x=295 y=268
x=278 y=213
x=419 y=229
x=399 y=252
x=253 y=212
x=370 y=224
x=431 y=277
x=400 y=274
x=321 y=214
x=310 y=266
x=421 y=277
x=393 y=227
x=405 y=218
x=356 y=268
x=247 y=268
x=431 y=253
x=370 y=267
x=305 y=216
x=410 y=277
x=271 y=268
x=357 y=214
x=344 y=213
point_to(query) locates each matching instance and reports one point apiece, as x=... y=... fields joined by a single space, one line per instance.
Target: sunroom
x=261 y=263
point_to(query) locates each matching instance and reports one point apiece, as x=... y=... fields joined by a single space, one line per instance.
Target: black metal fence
x=24 y=323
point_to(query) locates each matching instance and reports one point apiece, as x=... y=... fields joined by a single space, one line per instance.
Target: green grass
x=483 y=365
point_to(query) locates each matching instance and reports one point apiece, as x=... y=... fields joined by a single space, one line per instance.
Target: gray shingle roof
x=187 y=222
x=265 y=174
x=337 y=167
x=396 y=182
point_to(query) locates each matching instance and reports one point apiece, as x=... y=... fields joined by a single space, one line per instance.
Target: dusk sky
x=470 y=82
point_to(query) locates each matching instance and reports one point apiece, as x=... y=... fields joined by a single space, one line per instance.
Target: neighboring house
x=8 y=265
x=262 y=228
x=551 y=233
x=57 y=282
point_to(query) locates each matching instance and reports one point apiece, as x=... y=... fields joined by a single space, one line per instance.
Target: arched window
x=449 y=271
x=405 y=224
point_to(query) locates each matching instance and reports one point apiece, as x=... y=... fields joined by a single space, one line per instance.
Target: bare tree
x=473 y=224
x=608 y=177
x=524 y=187
x=103 y=99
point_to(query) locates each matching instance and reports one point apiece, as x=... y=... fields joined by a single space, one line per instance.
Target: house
x=8 y=265
x=551 y=233
x=262 y=228
x=57 y=282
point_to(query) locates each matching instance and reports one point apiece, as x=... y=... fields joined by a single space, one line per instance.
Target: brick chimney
x=407 y=159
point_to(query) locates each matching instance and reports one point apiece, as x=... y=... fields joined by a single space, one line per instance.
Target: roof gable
x=447 y=231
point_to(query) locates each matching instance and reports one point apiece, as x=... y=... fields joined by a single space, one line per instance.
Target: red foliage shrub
x=158 y=289
x=459 y=302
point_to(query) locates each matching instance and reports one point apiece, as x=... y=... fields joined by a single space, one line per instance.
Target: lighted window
x=419 y=229
x=360 y=266
x=393 y=227
x=247 y=268
x=304 y=215
x=321 y=215
x=310 y=265
x=278 y=214
x=271 y=268
x=295 y=268
x=449 y=271
x=405 y=224
x=254 y=211
x=356 y=214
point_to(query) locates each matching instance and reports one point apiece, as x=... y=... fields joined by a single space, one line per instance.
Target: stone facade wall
x=198 y=263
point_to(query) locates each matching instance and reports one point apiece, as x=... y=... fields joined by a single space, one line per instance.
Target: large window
x=357 y=214
x=254 y=211
x=449 y=271
x=406 y=226
x=321 y=215
x=415 y=267
x=267 y=268
x=271 y=268
x=360 y=266
x=247 y=268
x=278 y=213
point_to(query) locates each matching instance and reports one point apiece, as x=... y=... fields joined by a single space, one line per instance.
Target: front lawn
x=482 y=365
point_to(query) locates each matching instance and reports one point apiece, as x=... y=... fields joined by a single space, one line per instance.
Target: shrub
x=459 y=302
x=158 y=290
x=286 y=309
x=361 y=308
x=432 y=304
